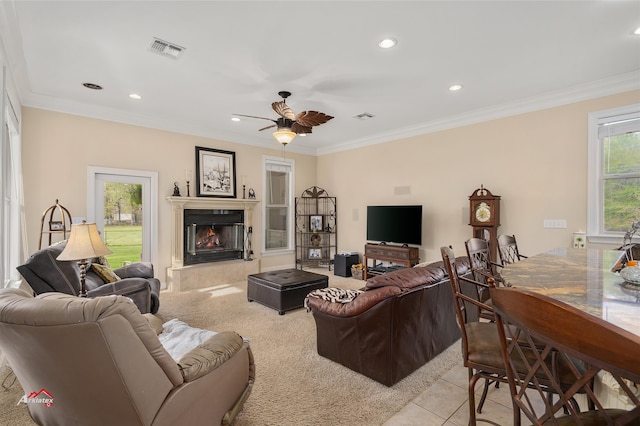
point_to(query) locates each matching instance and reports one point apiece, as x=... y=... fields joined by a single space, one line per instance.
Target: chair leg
x=485 y=390
x=473 y=379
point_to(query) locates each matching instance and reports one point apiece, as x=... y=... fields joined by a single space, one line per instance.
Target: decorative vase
x=579 y=239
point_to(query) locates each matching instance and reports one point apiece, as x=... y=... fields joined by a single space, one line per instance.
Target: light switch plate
x=555 y=223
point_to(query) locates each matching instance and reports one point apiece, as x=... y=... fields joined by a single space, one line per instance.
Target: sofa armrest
x=209 y=355
x=154 y=322
x=135 y=270
x=360 y=304
x=137 y=289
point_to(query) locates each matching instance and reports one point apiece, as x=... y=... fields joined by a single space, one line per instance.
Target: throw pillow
x=106 y=274
x=102 y=260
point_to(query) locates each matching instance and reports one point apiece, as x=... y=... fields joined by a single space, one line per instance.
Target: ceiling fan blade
x=298 y=128
x=253 y=116
x=283 y=110
x=312 y=118
x=268 y=127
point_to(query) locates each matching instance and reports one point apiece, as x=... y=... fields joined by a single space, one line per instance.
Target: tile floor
x=445 y=403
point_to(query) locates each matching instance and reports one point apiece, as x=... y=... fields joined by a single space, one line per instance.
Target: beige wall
x=58 y=148
x=537 y=163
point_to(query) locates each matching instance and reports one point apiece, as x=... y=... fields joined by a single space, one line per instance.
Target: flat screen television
x=395 y=224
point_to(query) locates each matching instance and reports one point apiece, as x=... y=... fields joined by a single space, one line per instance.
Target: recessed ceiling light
x=235 y=119
x=387 y=43
x=135 y=96
x=92 y=86
x=637 y=32
x=455 y=87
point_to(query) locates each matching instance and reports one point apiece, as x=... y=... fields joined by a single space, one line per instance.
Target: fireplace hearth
x=211 y=252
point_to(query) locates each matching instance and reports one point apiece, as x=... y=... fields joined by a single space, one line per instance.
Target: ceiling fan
x=289 y=124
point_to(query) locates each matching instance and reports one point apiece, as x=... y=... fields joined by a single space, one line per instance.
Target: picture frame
x=56 y=226
x=215 y=173
x=315 y=253
x=315 y=239
x=316 y=223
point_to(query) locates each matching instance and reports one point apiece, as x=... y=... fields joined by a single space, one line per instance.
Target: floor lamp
x=84 y=243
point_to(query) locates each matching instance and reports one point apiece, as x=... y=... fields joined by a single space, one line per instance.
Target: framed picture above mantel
x=215 y=173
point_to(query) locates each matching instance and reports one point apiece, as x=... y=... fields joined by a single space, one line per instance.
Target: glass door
x=123 y=204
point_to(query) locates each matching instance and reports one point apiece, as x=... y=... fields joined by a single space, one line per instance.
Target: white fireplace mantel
x=179 y=204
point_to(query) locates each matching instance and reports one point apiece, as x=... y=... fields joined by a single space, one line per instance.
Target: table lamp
x=84 y=243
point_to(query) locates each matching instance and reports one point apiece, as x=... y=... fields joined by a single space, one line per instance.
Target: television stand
x=405 y=256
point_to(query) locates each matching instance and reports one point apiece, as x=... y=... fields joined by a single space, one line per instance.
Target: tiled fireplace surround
x=182 y=277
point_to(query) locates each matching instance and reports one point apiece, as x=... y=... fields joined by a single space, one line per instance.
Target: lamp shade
x=284 y=136
x=84 y=243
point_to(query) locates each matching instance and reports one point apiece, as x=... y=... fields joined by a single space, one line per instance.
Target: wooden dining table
x=581 y=278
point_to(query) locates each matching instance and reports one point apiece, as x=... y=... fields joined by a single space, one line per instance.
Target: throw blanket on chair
x=332 y=294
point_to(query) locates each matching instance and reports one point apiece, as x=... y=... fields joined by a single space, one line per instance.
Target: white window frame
x=266 y=161
x=595 y=194
x=13 y=245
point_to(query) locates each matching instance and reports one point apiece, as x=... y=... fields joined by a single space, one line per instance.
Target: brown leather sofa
x=400 y=322
x=100 y=362
x=44 y=273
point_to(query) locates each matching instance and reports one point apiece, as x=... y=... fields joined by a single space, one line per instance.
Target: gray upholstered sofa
x=401 y=321
x=44 y=273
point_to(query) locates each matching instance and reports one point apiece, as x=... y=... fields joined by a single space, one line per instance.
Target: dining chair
x=481 y=350
x=528 y=325
x=508 y=249
x=483 y=268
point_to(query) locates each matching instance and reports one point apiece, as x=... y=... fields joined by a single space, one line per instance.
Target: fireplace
x=213 y=235
x=211 y=252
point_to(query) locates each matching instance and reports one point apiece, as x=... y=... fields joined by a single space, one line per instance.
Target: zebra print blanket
x=332 y=294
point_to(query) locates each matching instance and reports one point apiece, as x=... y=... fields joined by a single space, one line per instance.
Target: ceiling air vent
x=165 y=48
x=364 y=116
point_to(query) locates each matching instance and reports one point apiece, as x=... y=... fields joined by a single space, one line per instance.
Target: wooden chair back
x=558 y=333
x=508 y=249
x=480 y=259
x=467 y=292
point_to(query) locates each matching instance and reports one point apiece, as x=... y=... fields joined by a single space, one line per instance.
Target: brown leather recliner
x=403 y=320
x=44 y=273
x=101 y=363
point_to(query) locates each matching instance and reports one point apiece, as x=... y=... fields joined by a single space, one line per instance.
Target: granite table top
x=581 y=278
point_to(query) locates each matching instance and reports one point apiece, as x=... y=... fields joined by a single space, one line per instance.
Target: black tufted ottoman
x=283 y=290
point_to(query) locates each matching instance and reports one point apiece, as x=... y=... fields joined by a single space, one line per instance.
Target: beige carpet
x=294 y=385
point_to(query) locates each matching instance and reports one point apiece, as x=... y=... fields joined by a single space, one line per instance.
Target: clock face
x=483 y=212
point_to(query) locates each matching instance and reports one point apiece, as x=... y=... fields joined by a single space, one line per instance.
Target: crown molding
x=596 y=89
x=605 y=87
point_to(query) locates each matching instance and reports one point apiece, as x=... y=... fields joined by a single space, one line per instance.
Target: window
x=278 y=205
x=614 y=173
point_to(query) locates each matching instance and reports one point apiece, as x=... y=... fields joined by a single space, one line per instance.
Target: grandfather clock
x=485 y=217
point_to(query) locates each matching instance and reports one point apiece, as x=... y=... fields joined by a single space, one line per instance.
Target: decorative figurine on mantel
x=187 y=175
x=176 y=189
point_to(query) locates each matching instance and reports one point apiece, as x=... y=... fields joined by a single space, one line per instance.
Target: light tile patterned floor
x=445 y=403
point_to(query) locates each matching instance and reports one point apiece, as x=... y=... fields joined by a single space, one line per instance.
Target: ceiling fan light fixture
x=284 y=136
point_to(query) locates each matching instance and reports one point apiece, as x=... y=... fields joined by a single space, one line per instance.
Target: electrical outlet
x=555 y=223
